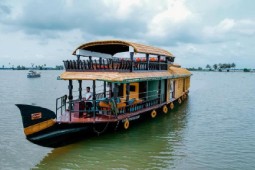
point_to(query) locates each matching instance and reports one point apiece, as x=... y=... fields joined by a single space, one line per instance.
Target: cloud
x=126 y=19
x=4 y=9
x=189 y=29
x=229 y=30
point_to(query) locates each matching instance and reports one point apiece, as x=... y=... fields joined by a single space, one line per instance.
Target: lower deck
x=100 y=117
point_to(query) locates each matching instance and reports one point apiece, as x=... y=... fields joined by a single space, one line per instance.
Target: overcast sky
x=197 y=32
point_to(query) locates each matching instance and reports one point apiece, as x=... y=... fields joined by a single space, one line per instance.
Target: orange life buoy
x=171 y=105
x=153 y=114
x=165 y=109
x=179 y=100
x=126 y=124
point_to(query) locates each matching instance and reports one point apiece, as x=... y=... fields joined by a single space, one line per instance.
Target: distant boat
x=33 y=74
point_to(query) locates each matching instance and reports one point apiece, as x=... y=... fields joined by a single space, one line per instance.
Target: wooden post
x=147 y=62
x=132 y=61
x=80 y=89
x=104 y=89
x=94 y=98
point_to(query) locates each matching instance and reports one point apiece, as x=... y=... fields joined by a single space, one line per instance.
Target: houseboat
x=33 y=74
x=124 y=82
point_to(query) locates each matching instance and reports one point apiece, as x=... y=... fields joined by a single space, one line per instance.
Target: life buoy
x=165 y=109
x=179 y=100
x=153 y=114
x=183 y=97
x=171 y=105
x=126 y=124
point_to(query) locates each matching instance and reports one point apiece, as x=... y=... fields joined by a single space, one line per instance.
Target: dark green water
x=213 y=129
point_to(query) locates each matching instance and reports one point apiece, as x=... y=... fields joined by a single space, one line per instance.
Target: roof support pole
x=159 y=91
x=70 y=97
x=147 y=62
x=127 y=95
x=147 y=91
x=94 y=98
x=80 y=89
x=115 y=91
x=104 y=89
x=110 y=89
x=132 y=61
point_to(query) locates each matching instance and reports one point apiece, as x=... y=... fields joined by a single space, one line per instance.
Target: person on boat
x=88 y=97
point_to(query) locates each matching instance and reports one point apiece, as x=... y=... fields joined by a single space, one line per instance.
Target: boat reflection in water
x=151 y=144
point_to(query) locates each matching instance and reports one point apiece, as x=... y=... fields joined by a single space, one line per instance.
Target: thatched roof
x=115 y=46
x=173 y=72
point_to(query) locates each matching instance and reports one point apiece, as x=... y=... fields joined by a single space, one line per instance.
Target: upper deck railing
x=119 y=65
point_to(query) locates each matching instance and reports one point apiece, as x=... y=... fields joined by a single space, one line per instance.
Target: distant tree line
x=220 y=67
x=34 y=67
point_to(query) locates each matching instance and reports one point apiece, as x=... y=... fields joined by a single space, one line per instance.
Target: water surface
x=213 y=129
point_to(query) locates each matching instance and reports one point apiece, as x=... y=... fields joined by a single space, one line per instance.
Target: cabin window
x=132 y=88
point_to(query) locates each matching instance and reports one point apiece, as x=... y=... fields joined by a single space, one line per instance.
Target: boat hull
x=60 y=135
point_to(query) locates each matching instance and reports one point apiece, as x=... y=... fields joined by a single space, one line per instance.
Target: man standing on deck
x=88 y=97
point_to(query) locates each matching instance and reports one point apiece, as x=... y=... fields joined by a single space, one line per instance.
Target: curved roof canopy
x=115 y=46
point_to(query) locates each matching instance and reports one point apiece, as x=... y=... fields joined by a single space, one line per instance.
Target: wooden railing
x=113 y=65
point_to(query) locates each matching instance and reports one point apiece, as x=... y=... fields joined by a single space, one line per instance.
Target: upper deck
x=118 y=56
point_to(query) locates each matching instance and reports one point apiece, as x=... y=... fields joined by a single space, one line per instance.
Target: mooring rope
x=97 y=132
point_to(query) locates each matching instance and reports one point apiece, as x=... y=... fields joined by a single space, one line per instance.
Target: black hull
x=64 y=134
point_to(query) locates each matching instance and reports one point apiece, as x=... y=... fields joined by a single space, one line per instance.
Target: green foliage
x=246 y=70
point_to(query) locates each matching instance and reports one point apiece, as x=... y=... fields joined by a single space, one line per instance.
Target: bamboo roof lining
x=119 y=77
x=138 y=48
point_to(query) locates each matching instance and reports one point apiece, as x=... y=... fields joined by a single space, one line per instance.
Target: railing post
x=78 y=62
